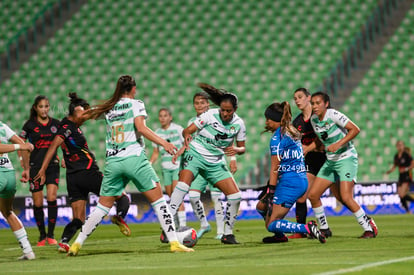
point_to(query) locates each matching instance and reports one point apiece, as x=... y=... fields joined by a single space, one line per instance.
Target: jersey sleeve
x=241 y=135
x=202 y=120
x=9 y=132
x=25 y=131
x=339 y=118
x=275 y=145
x=138 y=108
x=64 y=131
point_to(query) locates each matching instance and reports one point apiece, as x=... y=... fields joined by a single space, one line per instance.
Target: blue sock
x=286 y=227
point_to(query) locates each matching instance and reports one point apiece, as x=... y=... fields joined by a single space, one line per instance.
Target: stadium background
x=260 y=50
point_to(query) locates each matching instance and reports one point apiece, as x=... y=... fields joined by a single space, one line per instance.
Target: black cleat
x=326 y=233
x=274 y=239
x=229 y=239
x=313 y=230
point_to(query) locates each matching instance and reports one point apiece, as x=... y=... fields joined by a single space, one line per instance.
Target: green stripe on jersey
x=332 y=129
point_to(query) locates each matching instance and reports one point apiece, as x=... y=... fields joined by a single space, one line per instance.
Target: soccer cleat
x=27 y=256
x=367 y=235
x=274 y=239
x=41 y=242
x=63 y=247
x=51 y=241
x=373 y=226
x=163 y=237
x=177 y=247
x=297 y=236
x=326 y=233
x=218 y=236
x=229 y=239
x=74 y=249
x=312 y=229
x=203 y=230
x=123 y=227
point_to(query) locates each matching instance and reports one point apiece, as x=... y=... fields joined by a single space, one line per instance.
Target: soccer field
x=109 y=252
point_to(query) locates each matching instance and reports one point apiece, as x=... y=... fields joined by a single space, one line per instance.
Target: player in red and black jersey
x=312 y=149
x=82 y=172
x=404 y=161
x=40 y=130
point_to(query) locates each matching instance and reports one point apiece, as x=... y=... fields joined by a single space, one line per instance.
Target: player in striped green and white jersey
x=217 y=130
x=336 y=131
x=126 y=161
x=171 y=132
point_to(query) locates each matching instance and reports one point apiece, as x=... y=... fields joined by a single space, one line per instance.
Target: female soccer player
x=8 y=185
x=126 y=160
x=312 y=150
x=201 y=104
x=82 y=172
x=40 y=130
x=287 y=179
x=173 y=133
x=204 y=155
x=336 y=132
x=405 y=163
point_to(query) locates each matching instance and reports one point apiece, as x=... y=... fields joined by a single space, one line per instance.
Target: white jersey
x=215 y=135
x=332 y=129
x=5 y=135
x=122 y=138
x=174 y=135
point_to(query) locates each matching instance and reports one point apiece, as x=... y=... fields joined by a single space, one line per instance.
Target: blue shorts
x=289 y=189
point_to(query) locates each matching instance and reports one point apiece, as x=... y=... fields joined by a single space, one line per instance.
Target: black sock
x=408 y=198
x=301 y=212
x=122 y=206
x=52 y=216
x=70 y=230
x=404 y=203
x=40 y=220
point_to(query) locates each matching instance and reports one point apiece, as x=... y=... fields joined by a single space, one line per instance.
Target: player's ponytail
x=124 y=85
x=76 y=101
x=285 y=122
x=219 y=95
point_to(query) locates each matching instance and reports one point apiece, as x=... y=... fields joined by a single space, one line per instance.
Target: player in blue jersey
x=217 y=130
x=287 y=178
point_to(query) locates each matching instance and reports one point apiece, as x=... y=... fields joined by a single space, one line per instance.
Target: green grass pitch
x=109 y=252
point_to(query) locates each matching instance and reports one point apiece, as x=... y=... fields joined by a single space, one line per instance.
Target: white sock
x=362 y=219
x=21 y=237
x=177 y=196
x=198 y=207
x=92 y=222
x=233 y=204
x=182 y=218
x=165 y=218
x=320 y=215
x=218 y=211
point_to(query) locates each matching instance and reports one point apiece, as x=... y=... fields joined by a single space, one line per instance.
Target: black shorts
x=403 y=178
x=81 y=183
x=314 y=161
x=52 y=177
